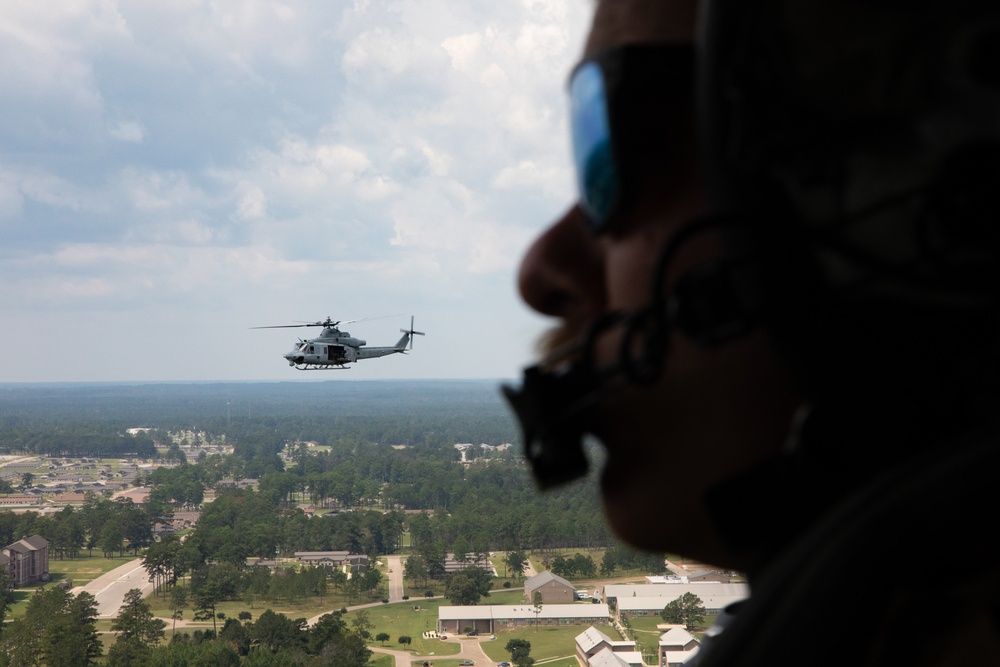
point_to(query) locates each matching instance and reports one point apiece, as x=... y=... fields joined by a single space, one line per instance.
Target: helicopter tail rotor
x=411 y=333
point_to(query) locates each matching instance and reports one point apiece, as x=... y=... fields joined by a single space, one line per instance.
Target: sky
x=173 y=174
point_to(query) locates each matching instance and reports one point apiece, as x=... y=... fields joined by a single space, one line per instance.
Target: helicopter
x=334 y=349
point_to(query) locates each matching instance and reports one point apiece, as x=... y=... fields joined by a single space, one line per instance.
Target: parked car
x=466 y=663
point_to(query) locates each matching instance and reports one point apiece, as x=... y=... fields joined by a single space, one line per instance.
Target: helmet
x=861 y=141
x=851 y=149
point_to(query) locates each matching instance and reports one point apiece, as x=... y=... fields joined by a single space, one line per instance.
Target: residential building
x=677 y=646
x=27 y=561
x=339 y=560
x=596 y=649
x=554 y=589
x=488 y=619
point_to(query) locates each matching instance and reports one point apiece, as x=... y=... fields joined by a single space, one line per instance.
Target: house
x=491 y=618
x=554 y=589
x=677 y=646
x=608 y=658
x=27 y=561
x=338 y=560
x=596 y=649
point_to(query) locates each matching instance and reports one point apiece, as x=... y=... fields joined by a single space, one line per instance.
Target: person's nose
x=562 y=274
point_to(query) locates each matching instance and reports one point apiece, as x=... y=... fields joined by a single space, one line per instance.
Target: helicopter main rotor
x=329 y=323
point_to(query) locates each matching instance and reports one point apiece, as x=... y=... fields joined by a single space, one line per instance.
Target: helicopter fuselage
x=334 y=349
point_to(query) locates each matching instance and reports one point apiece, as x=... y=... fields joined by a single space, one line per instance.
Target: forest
x=363 y=455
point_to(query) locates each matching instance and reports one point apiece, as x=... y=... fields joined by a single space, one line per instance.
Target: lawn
x=647 y=636
x=416 y=616
x=306 y=608
x=81 y=570
x=546 y=642
x=84 y=569
x=411 y=618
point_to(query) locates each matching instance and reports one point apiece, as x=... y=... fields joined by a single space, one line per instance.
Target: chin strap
x=558 y=397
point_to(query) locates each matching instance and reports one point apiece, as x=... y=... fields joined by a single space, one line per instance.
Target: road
x=470 y=650
x=110 y=588
x=395 y=566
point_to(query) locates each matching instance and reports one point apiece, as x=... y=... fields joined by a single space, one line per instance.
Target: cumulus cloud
x=189 y=158
x=128 y=131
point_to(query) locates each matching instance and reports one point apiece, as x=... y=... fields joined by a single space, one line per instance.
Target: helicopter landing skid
x=318 y=367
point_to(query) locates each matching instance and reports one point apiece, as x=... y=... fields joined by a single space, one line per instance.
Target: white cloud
x=252 y=205
x=11 y=201
x=128 y=131
x=168 y=162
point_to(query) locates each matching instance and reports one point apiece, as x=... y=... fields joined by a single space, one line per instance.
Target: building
x=27 y=561
x=471 y=560
x=338 y=560
x=677 y=646
x=596 y=649
x=554 y=589
x=717 y=576
x=488 y=619
x=649 y=599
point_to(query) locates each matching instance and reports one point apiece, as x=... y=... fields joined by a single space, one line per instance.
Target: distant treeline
x=81 y=440
x=489 y=504
x=87 y=420
x=167 y=404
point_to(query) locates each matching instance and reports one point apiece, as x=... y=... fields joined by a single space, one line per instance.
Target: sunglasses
x=611 y=95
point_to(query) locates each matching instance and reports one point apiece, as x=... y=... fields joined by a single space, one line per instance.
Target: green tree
x=515 y=561
x=58 y=630
x=415 y=569
x=361 y=622
x=137 y=629
x=328 y=628
x=687 y=610
x=382 y=638
x=465 y=587
x=277 y=632
x=70 y=638
x=112 y=539
x=178 y=601
x=519 y=650
x=6 y=594
x=348 y=651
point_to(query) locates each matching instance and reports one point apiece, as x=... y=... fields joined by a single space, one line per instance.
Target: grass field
x=547 y=643
x=647 y=636
x=81 y=570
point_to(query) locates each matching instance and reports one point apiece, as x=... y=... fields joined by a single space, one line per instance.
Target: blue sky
x=172 y=174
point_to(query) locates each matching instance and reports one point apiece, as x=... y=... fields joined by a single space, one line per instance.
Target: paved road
x=471 y=650
x=110 y=588
x=395 y=566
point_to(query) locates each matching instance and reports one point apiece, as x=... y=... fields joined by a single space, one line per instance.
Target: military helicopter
x=334 y=349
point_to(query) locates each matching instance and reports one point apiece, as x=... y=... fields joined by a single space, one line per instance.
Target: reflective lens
x=596 y=172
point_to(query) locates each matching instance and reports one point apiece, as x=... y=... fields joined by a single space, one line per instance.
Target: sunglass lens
x=596 y=172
